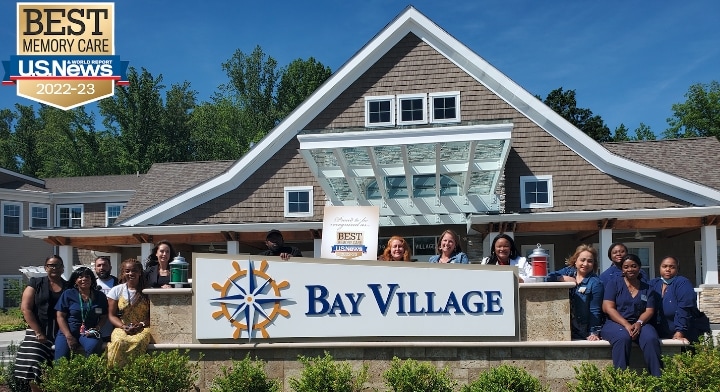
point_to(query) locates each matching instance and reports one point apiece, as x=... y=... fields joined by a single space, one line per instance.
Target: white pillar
x=233 y=247
x=317 y=247
x=145 y=250
x=66 y=252
x=604 y=244
x=708 y=253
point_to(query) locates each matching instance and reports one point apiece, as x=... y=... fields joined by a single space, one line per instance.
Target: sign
x=65 y=54
x=350 y=232
x=257 y=297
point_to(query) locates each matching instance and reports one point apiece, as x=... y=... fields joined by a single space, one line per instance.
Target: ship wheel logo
x=250 y=299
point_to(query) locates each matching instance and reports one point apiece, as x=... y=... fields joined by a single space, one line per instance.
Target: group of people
x=90 y=309
x=622 y=306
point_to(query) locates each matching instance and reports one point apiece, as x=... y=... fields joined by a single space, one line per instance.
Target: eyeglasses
x=55 y=266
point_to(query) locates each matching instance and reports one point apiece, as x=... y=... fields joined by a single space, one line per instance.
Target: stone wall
x=709 y=301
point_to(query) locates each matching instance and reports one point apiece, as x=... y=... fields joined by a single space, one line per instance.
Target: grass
x=11 y=319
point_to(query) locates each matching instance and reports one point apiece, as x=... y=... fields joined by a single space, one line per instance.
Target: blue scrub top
x=629 y=307
x=674 y=310
x=585 y=303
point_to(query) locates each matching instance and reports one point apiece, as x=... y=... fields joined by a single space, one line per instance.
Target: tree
x=299 y=79
x=26 y=141
x=564 y=104
x=699 y=115
x=216 y=132
x=621 y=134
x=8 y=158
x=643 y=132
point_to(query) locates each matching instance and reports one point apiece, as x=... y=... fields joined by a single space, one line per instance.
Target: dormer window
x=536 y=192
x=445 y=107
x=380 y=111
x=412 y=109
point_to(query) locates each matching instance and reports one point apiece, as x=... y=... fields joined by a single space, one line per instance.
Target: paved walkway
x=10 y=337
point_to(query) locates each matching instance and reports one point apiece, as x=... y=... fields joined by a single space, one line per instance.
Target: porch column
x=605 y=241
x=145 y=250
x=317 y=247
x=708 y=253
x=233 y=247
x=115 y=263
x=66 y=252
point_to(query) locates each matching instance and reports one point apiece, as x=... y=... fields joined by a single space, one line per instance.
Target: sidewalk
x=10 y=337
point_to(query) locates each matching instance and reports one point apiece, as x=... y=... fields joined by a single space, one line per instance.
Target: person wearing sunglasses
x=38 y=308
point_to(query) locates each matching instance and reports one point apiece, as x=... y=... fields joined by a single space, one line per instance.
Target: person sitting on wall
x=81 y=313
x=504 y=252
x=397 y=249
x=586 y=297
x=276 y=246
x=449 y=250
x=105 y=281
x=616 y=252
x=630 y=305
x=129 y=315
x=157 y=269
x=677 y=311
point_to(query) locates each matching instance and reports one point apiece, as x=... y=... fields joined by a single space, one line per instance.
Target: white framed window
x=412 y=109
x=69 y=215
x=39 y=216
x=445 y=107
x=646 y=252
x=536 y=192
x=112 y=211
x=12 y=288
x=298 y=201
x=11 y=219
x=380 y=111
x=526 y=251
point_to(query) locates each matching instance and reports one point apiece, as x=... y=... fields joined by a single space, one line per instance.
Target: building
x=421 y=126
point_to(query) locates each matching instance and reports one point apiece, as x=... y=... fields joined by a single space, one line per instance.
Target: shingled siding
x=415 y=67
x=261 y=197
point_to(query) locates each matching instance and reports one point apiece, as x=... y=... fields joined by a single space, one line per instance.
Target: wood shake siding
x=94 y=215
x=261 y=197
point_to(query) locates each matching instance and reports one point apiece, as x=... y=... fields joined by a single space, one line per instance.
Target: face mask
x=668 y=281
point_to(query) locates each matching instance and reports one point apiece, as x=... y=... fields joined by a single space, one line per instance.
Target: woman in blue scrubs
x=630 y=305
x=674 y=313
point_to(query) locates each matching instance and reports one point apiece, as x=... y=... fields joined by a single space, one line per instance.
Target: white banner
x=313 y=298
x=350 y=232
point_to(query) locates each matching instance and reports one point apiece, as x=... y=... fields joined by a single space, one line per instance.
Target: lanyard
x=84 y=312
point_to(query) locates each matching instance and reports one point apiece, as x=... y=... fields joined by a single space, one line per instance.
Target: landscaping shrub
x=7 y=365
x=11 y=319
x=245 y=375
x=610 y=379
x=70 y=375
x=505 y=378
x=412 y=376
x=695 y=370
x=323 y=374
x=157 y=372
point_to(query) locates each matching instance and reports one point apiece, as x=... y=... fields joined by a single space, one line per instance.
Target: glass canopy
x=416 y=176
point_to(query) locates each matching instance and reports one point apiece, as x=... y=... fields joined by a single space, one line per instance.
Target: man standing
x=105 y=281
x=276 y=246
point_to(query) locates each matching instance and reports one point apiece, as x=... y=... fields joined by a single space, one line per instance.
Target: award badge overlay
x=65 y=54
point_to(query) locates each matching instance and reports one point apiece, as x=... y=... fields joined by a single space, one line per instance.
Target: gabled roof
x=679 y=157
x=165 y=180
x=412 y=21
x=9 y=176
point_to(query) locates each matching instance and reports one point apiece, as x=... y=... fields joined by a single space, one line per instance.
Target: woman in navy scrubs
x=630 y=305
x=674 y=313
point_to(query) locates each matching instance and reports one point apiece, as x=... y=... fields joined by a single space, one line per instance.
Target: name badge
x=643 y=297
x=581 y=290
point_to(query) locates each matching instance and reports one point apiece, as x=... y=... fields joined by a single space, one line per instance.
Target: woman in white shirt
x=504 y=252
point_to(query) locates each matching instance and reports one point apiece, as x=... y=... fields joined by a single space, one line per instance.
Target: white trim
x=47 y=211
x=70 y=206
x=107 y=216
x=410 y=97
x=379 y=98
x=449 y=94
x=36 y=181
x=19 y=216
x=286 y=203
x=412 y=21
x=687 y=212
x=537 y=179
x=92 y=197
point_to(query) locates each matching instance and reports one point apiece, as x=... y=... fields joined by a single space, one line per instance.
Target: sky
x=628 y=61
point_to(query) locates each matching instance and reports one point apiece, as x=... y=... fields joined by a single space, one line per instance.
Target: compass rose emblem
x=250 y=299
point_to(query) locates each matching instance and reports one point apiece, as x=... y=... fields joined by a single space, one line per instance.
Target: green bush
x=413 y=376
x=590 y=378
x=11 y=319
x=505 y=378
x=323 y=374
x=157 y=372
x=7 y=366
x=245 y=375
x=693 y=370
x=67 y=375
